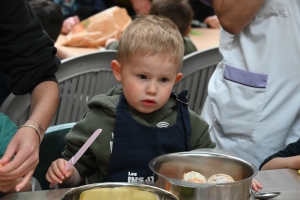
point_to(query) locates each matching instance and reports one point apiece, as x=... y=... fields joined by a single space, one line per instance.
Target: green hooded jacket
x=95 y=161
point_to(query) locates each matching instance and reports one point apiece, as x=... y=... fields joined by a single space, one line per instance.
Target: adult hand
x=141 y=7
x=25 y=146
x=212 y=21
x=69 y=24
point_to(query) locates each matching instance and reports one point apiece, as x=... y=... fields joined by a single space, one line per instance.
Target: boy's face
x=147 y=82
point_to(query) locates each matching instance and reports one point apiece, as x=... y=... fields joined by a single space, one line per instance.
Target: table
x=203 y=38
x=286 y=181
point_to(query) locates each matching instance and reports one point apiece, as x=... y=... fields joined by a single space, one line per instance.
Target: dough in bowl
x=220 y=178
x=122 y=193
x=194 y=177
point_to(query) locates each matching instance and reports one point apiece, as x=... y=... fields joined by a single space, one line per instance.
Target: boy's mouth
x=148 y=102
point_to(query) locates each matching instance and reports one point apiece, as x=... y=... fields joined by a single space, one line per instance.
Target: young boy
x=140 y=119
x=180 y=12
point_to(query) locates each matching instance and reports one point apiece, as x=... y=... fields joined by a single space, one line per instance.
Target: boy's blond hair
x=151 y=35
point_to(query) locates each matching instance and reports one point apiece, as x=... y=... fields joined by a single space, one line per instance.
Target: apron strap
x=183 y=110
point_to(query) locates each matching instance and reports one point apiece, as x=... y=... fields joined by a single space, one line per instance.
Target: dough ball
x=194 y=177
x=220 y=178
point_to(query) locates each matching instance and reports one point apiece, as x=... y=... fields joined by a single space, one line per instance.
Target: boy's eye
x=142 y=76
x=164 y=80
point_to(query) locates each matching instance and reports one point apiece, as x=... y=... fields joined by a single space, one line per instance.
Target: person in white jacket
x=253 y=103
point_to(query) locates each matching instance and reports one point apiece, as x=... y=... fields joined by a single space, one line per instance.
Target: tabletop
x=203 y=38
x=286 y=181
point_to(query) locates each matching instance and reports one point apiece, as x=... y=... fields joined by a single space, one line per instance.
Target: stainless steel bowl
x=170 y=168
x=161 y=194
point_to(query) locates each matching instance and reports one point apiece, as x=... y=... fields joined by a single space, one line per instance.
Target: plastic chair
x=197 y=69
x=80 y=78
x=51 y=148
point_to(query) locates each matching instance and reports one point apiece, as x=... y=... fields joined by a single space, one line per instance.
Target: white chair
x=197 y=69
x=79 y=78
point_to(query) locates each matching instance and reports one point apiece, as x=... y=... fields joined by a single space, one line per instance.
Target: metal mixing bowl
x=161 y=194
x=170 y=168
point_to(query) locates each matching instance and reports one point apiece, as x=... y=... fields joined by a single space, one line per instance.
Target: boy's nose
x=151 y=89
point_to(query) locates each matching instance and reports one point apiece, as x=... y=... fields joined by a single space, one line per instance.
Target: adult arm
x=27 y=55
x=234 y=15
x=25 y=144
x=281 y=163
x=286 y=158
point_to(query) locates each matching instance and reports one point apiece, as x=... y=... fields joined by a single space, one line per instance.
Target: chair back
x=197 y=69
x=51 y=148
x=79 y=78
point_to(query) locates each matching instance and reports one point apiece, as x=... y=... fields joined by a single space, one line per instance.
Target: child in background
x=50 y=16
x=141 y=118
x=52 y=19
x=7 y=131
x=76 y=10
x=179 y=11
x=286 y=158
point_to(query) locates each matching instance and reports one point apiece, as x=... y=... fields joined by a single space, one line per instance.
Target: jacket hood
x=108 y=102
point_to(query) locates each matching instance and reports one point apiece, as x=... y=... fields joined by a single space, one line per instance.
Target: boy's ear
x=179 y=77
x=116 y=67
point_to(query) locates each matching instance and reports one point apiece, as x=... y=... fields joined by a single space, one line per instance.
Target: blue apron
x=134 y=144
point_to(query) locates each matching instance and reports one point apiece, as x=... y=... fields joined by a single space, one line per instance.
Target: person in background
x=204 y=14
x=135 y=7
x=81 y=8
x=253 y=95
x=27 y=56
x=52 y=19
x=75 y=11
x=141 y=118
x=179 y=11
x=49 y=15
